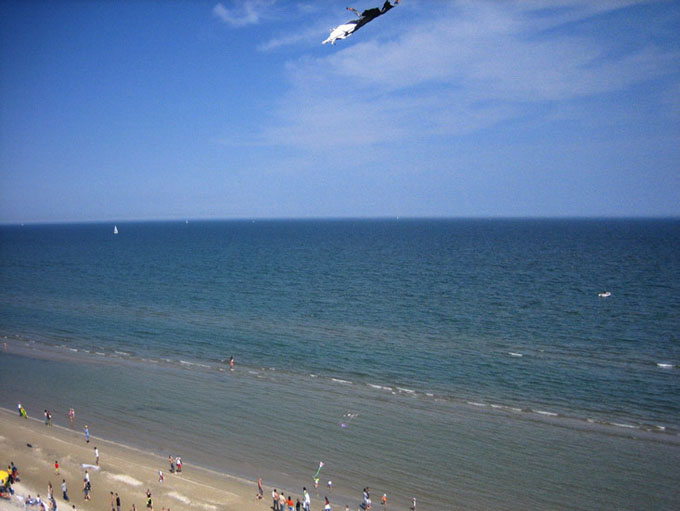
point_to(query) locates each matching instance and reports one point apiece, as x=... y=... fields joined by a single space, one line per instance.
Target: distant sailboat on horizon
x=115 y=229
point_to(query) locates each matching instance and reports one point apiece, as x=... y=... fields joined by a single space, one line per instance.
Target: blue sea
x=469 y=363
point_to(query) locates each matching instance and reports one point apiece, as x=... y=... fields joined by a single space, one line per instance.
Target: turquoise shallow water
x=477 y=354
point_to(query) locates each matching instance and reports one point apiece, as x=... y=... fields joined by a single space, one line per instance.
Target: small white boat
x=606 y=294
x=115 y=229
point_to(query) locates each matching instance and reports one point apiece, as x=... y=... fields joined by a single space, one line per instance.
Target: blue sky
x=233 y=109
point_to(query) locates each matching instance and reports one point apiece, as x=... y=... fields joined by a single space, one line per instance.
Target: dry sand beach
x=34 y=447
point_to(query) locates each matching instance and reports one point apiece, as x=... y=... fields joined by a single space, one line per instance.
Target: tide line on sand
x=125 y=479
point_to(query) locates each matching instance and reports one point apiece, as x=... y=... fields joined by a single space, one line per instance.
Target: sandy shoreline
x=122 y=469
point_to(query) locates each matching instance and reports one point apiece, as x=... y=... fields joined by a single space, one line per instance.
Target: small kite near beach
x=347 y=418
x=347 y=29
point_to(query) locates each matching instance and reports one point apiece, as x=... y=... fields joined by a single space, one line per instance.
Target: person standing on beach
x=96 y=456
x=172 y=464
x=275 y=500
x=232 y=362
x=64 y=490
x=56 y=466
x=306 y=500
x=87 y=434
x=383 y=501
x=113 y=502
x=71 y=415
x=327 y=505
x=260 y=489
x=117 y=502
x=47 y=414
x=87 y=488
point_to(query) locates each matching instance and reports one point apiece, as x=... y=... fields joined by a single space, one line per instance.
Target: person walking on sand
x=64 y=490
x=87 y=488
x=96 y=456
x=327 y=505
x=87 y=476
x=383 y=501
x=117 y=502
x=260 y=489
x=87 y=434
x=113 y=502
x=161 y=478
x=56 y=467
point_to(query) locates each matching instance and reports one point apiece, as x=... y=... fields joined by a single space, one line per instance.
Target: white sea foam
x=665 y=365
x=406 y=391
x=338 y=380
x=513 y=354
x=180 y=497
x=549 y=414
x=125 y=479
x=73 y=349
x=123 y=353
x=99 y=353
x=474 y=403
x=621 y=425
x=429 y=394
x=379 y=387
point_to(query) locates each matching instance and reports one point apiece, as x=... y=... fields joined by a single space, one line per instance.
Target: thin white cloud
x=472 y=66
x=243 y=12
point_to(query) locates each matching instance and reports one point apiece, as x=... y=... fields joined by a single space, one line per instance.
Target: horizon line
x=339 y=218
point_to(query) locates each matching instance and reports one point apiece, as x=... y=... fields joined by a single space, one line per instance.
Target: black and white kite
x=347 y=29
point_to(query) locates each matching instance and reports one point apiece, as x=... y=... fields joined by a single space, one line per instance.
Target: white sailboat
x=115 y=229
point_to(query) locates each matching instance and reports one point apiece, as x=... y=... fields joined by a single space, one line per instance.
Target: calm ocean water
x=484 y=370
